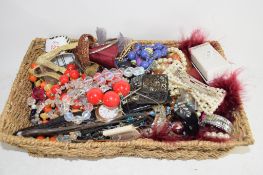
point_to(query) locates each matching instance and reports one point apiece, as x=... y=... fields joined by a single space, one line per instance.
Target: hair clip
x=96 y=133
x=134 y=107
x=188 y=117
x=46 y=60
x=186 y=97
x=64 y=129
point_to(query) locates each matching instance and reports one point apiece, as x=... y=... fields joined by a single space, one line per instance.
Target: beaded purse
x=150 y=89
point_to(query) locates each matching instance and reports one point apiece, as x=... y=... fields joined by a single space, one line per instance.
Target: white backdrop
x=238 y=25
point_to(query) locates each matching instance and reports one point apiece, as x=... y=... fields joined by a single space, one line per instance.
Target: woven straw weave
x=16 y=112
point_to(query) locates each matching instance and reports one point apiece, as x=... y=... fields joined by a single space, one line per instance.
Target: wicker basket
x=16 y=111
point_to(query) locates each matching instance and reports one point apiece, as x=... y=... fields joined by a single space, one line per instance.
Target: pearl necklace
x=207 y=98
x=180 y=54
x=161 y=63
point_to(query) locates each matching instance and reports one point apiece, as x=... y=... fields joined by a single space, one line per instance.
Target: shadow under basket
x=16 y=112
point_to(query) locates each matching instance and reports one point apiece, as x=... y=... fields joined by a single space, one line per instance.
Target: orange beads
x=32 y=78
x=53 y=139
x=47 y=108
x=40 y=137
x=33 y=65
x=43 y=84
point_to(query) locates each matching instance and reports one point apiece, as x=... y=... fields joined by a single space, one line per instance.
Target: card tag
x=55 y=42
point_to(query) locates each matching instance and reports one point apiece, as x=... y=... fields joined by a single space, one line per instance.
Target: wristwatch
x=106 y=114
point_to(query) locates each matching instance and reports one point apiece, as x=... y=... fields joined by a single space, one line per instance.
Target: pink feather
x=165 y=134
x=234 y=92
x=197 y=37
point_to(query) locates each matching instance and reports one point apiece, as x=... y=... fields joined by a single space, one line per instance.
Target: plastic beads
x=144 y=55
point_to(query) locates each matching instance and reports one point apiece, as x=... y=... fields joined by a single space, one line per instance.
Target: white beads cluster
x=162 y=63
x=130 y=71
x=214 y=135
x=179 y=53
x=207 y=98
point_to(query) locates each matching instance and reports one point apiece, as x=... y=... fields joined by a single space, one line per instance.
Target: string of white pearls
x=214 y=135
x=208 y=98
x=162 y=63
x=179 y=53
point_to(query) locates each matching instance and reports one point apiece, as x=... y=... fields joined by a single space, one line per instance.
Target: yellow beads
x=48 y=87
x=44 y=116
x=149 y=50
x=37 y=83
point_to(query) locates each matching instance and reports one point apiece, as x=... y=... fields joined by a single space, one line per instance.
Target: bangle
x=219 y=122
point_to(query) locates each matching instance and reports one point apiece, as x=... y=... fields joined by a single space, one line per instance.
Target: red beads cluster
x=70 y=73
x=94 y=96
x=122 y=87
x=110 y=99
x=64 y=79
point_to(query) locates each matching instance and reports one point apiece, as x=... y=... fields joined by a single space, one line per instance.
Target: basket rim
x=145 y=143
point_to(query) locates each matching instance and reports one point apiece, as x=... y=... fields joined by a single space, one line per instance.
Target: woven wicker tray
x=16 y=111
